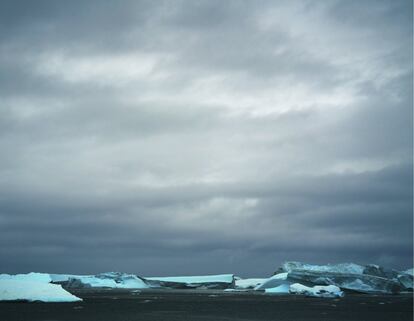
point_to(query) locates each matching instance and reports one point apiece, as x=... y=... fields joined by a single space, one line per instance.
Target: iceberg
x=409 y=271
x=334 y=268
x=222 y=281
x=349 y=276
x=281 y=289
x=59 y=278
x=104 y=280
x=406 y=280
x=13 y=289
x=330 y=291
x=356 y=282
x=274 y=281
x=376 y=270
x=248 y=283
x=131 y=281
x=32 y=276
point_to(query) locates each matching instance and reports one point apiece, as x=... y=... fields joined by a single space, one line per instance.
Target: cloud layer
x=193 y=137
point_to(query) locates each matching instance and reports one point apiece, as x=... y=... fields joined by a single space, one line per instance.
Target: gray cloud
x=204 y=137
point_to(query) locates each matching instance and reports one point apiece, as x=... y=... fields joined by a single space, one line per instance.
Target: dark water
x=118 y=305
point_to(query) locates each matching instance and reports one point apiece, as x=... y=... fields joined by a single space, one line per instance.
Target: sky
x=202 y=137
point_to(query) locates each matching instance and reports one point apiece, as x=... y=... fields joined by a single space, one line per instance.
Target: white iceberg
x=351 y=268
x=249 y=283
x=370 y=278
x=409 y=271
x=274 y=281
x=221 y=281
x=329 y=291
x=14 y=289
x=225 y=278
x=281 y=289
x=32 y=276
x=406 y=278
x=65 y=277
x=104 y=280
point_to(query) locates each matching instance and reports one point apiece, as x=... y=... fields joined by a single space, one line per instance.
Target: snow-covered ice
x=274 y=281
x=334 y=268
x=106 y=280
x=249 y=283
x=32 y=276
x=409 y=271
x=221 y=278
x=20 y=289
x=66 y=277
x=328 y=291
x=284 y=288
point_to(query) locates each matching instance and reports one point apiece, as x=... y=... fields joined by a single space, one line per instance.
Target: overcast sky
x=195 y=137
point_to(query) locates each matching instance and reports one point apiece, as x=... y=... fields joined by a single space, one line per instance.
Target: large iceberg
x=104 y=280
x=131 y=281
x=349 y=276
x=13 y=289
x=32 y=277
x=334 y=268
x=222 y=281
x=356 y=282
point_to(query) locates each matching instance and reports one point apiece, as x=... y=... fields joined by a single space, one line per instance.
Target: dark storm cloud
x=204 y=136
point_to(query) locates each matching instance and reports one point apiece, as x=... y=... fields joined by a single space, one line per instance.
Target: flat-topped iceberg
x=32 y=276
x=131 y=281
x=13 y=289
x=104 y=280
x=333 y=268
x=221 y=281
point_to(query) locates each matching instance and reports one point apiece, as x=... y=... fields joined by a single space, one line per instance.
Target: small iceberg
x=274 y=282
x=281 y=289
x=329 y=291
